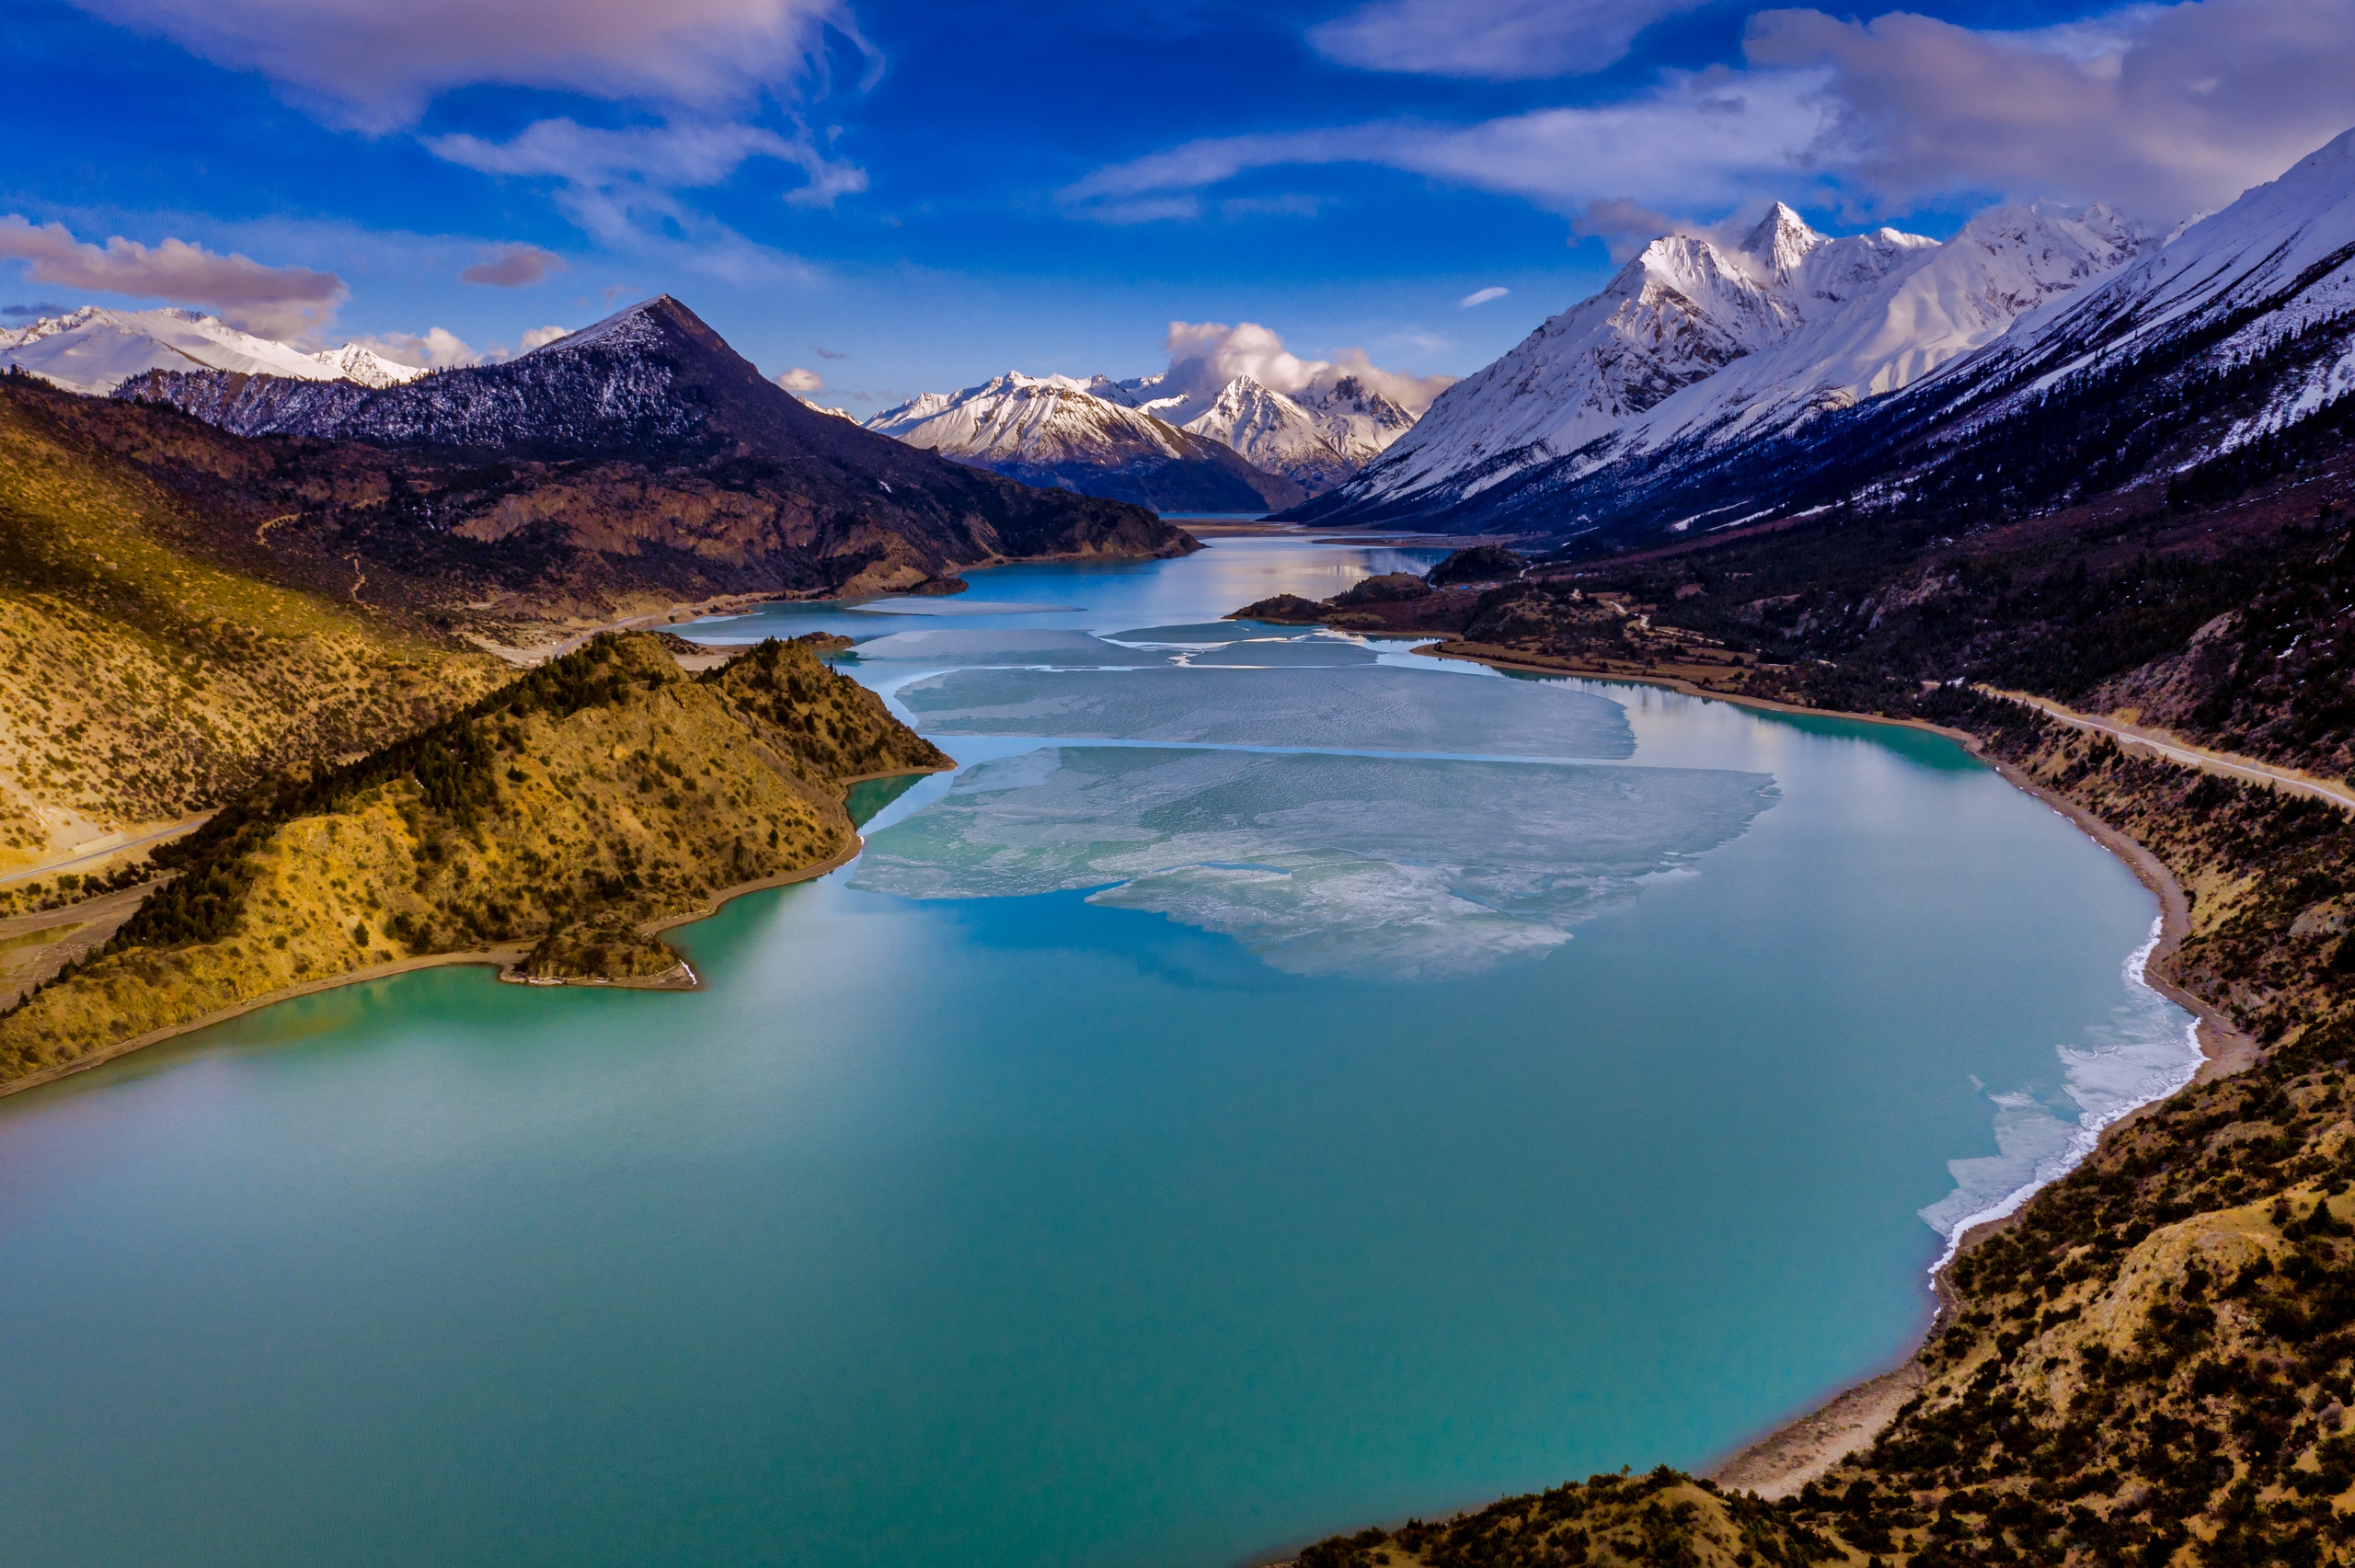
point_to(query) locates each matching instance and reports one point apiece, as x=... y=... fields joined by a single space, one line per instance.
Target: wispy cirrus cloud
x=707 y=76
x=1701 y=138
x=1490 y=39
x=621 y=186
x=2162 y=109
x=279 y=302
x=375 y=66
x=1481 y=297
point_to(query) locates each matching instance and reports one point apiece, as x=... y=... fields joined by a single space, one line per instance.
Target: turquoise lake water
x=1280 y=1083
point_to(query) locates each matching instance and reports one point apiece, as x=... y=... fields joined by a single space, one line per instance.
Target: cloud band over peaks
x=277 y=302
x=2161 y=109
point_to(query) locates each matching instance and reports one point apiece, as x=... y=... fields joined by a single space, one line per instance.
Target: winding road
x=2223 y=763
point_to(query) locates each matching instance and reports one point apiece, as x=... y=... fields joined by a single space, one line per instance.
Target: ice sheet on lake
x=1385 y=867
x=2145 y=1052
x=998 y=644
x=1228 y=643
x=1369 y=708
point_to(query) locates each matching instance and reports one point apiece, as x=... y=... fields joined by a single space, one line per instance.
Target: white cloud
x=1481 y=297
x=1493 y=39
x=277 y=302
x=376 y=65
x=1623 y=227
x=798 y=380
x=437 y=348
x=697 y=67
x=620 y=186
x=1702 y=139
x=2162 y=109
x=1205 y=355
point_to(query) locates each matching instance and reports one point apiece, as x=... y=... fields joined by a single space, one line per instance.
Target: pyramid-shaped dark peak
x=659 y=323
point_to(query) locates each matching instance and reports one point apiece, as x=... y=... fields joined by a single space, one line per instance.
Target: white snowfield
x=1694 y=339
x=94 y=350
x=2285 y=251
x=1034 y=420
x=1319 y=437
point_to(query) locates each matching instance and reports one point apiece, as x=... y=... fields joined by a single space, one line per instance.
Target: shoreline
x=1785 y=1457
x=1801 y=1449
x=501 y=956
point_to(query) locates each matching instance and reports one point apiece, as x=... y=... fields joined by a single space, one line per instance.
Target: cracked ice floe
x=2145 y=1052
x=1365 y=708
x=995 y=645
x=1407 y=869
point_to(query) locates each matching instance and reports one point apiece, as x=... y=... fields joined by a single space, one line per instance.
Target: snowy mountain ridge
x=2038 y=359
x=1315 y=437
x=1697 y=341
x=1057 y=430
x=94 y=350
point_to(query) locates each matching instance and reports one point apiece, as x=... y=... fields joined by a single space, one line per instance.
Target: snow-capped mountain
x=2037 y=359
x=2268 y=280
x=366 y=367
x=1361 y=423
x=1271 y=431
x=1317 y=438
x=1054 y=430
x=1696 y=342
x=94 y=350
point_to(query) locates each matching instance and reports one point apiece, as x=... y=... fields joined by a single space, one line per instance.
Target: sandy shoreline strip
x=504 y=957
x=1798 y=1451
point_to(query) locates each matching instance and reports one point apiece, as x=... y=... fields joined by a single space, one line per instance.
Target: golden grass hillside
x=139 y=683
x=604 y=791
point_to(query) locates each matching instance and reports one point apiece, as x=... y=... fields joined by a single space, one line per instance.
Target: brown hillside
x=604 y=792
x=143 y=677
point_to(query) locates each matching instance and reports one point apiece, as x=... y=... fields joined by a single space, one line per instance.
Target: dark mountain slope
x=638 y=461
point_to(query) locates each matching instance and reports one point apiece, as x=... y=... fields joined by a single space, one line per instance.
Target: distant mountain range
x=1711 y=383
x=635 y=463
x=1242 y=446
x=1050 y=430
x=94 y=350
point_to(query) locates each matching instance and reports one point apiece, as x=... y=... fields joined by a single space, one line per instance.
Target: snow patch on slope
x=94 y=350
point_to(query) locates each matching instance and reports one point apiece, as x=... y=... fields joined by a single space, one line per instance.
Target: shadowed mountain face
x=640 y=461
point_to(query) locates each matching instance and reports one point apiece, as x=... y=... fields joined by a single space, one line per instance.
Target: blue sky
x=893 y=195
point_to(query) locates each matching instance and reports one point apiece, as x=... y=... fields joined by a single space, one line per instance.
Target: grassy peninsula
x=562 y=815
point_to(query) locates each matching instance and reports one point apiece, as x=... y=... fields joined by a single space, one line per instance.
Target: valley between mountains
x=2057 y=456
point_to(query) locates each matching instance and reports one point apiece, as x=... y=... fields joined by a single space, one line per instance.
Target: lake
x=1280 y=1083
